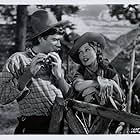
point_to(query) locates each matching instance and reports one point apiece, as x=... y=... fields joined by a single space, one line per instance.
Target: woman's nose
x=84 y=53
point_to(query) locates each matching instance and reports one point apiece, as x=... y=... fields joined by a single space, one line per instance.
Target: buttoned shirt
x=41 y=92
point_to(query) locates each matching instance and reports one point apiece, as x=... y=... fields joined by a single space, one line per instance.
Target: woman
x=95 y=80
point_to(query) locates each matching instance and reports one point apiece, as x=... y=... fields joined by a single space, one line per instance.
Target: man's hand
x=57 y=70
x=37 y=63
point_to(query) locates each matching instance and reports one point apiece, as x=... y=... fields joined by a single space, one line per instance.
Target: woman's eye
x=87 y=49
x=80 y=53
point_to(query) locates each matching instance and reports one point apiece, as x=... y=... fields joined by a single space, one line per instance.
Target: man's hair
x=52 y=31
x=35 y=42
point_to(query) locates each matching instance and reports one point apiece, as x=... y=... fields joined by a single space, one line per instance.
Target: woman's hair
x=102 y=62
x=98 y=49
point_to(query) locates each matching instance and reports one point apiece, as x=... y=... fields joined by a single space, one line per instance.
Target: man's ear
x=40 y=38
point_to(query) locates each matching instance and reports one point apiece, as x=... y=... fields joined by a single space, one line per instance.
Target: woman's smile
x=85 y=59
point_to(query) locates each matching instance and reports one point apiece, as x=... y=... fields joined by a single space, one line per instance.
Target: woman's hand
x=81 y=84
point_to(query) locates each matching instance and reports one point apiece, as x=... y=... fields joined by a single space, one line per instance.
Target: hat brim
x=75 y=55
x=67 y=44
x=58 y=24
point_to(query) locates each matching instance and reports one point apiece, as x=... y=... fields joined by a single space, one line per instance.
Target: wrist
x=59 y=74
x=59 y=77
x=24 y=79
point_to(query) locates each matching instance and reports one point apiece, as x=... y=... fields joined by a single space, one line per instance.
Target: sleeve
x=77 y=78
x=9 y=80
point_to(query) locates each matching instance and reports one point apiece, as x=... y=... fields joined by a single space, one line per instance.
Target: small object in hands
x=48 y=62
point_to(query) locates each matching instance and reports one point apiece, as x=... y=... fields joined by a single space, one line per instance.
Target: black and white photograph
x=69 y=69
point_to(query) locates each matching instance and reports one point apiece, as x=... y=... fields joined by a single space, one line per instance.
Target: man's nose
x=58 y=43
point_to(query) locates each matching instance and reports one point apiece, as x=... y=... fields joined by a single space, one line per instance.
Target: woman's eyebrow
x=79 y=51
x=87 y=46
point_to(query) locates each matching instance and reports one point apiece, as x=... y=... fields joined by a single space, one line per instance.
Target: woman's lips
x=85 y=59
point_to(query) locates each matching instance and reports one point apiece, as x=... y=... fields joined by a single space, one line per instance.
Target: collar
x=30 y=53
x=34 y=51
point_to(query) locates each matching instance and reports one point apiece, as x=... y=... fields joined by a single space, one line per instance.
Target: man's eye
x=45 y=37
x=55 y=39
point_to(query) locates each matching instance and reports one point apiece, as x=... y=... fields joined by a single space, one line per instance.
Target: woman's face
x=87 y=55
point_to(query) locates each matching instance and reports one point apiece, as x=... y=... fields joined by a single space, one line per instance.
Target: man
x=30 y=76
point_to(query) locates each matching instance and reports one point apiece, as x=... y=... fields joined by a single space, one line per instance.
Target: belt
x=33 y=118
x=32 y=125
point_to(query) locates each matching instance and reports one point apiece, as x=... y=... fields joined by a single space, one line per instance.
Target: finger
x=54 y=53
x=55 y=56
x=42 y=55
x=54 y=63
x=22 y=64
x=39 y=57
x=38 y=60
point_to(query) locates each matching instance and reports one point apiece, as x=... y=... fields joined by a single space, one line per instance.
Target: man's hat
x=68 y=40
x=87 y=37
x=43 y=21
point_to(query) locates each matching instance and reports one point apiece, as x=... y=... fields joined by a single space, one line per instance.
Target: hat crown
x=90 y=37
x=42 y=20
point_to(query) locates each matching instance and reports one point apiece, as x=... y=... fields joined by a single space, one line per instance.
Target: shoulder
x=17 y=55
x=14 y=61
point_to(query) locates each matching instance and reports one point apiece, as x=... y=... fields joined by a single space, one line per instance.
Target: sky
x=96 y=18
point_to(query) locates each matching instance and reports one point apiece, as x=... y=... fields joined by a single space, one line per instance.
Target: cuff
x=23 y=94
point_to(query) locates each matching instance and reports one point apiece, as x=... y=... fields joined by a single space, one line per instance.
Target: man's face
x=50 y=43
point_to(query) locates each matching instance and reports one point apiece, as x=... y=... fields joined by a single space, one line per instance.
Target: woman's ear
x=98 y=50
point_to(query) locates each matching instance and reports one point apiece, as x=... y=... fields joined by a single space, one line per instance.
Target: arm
x=58 y=72
x=63 y=85
x=24 y=79
x=9 y=80
x=80 y=84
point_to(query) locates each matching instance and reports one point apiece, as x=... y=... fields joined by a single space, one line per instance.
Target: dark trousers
x=33 y=125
